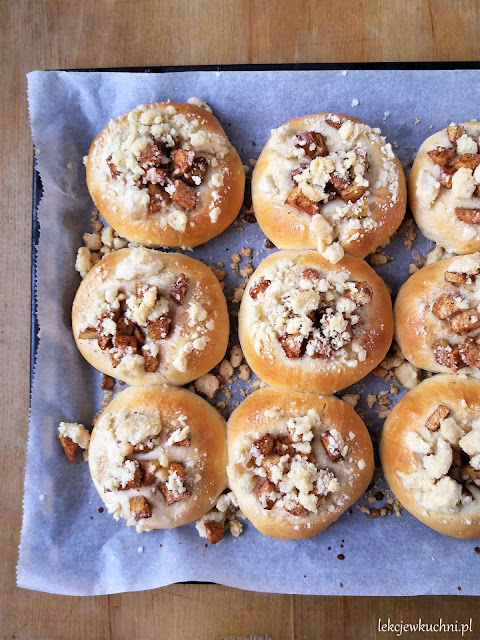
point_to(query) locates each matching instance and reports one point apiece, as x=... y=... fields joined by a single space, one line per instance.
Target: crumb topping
x=447 y=458
x=223 y=517
x=296 y=465
x=76 y=432
x=73 y=435
x=160 y=163
x=310 y=314
x=333 y=172
x=144 y=313
x=454 y=166
x=144 y=458
x=457 y=315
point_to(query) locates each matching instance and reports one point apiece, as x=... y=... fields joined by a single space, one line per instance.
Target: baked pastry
x=309 y=325
x=165 y=175
x=430 y=453
x=437 y=317
x=444 y=188
x=328 y=182
x=296 y=461
x=157 y=457
x=147 y=317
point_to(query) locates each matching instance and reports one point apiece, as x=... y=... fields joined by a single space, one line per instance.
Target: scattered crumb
x=391 y=504
x=236 y=356
x=408 y=230
x=219 y=273
x=207 y=384
x=223 y=517
x=102 y=241
x=226 y=370
x=244 y=372
x=378 y=258
x=412 y=268
x=351 y=399
x=408 y=375
x=238 y=294
x=246 y=271
x=355 y=102
x=92 y=241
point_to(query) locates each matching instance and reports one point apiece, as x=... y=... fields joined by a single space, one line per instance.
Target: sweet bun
x=430 y=453
x=444 y=188
x=147 y=317
x=437 y=322
x=158 y=456
x=166 y=175
x=309 y=325
x=328 y=182
x=296 y=461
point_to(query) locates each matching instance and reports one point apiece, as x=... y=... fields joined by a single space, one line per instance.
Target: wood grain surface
x=49 y=34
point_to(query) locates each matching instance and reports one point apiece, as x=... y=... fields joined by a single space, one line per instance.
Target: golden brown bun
x=204 y=288
x=410 y=414
x=305 y=373
x=207 y=452
x=439 y=222
x=248 y=422
x=417 y=328
x=139 y=226
x=288 y=227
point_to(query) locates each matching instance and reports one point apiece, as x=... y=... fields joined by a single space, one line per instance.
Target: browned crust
x=416 y=333
x=410 y=414
x=147 y=231
x=248 y=421
x=433 y=222
x=312 y=374
x=199 y=362
x=283 y=224
x=207 y=429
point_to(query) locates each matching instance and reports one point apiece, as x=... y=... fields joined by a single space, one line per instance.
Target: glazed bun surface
x=308 y=325
x=147 y=317
x=158 y=457
x=430 y=453
x=328 y=182
x=166 y=175
x=437 y=325
x=296 y=461
x=443 y=188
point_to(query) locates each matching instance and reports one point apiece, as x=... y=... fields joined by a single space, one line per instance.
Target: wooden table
x=49 y=34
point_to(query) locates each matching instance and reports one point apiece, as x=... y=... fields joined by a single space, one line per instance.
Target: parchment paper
x=67 y=545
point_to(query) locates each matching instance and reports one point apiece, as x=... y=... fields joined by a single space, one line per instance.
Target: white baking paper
x=67 y=545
